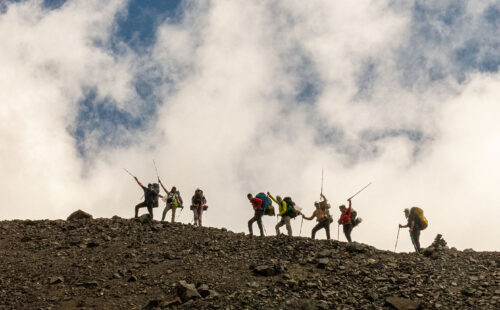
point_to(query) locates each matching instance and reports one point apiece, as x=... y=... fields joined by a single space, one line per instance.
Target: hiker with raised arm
x=198 y=205
x=416 y=222
x=257 y=205
x=322 y=217
x=285 y=210
x=151 y=194
x=346 y=221
x=173 y=201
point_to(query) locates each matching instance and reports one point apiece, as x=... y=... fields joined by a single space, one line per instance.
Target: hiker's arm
x=324 y=198
x=412 y=225
x=309 y=218
x=138 y=182
x=274 y=199
x=350 y=207
x=166 y=191
x=403 y=226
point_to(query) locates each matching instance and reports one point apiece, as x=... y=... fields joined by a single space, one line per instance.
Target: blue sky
x=470 y=44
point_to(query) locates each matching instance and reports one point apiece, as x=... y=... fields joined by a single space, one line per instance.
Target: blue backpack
x=266 y=201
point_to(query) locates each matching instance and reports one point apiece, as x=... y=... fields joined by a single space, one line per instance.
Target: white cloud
x=230 y=123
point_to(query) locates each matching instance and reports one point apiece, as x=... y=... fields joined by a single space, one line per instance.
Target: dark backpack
x=291 y=212
x=266 y=201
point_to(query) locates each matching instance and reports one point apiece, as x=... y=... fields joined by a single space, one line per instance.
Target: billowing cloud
x=237 y=97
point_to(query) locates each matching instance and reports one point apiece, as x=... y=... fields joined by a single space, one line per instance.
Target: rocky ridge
x=142 y=264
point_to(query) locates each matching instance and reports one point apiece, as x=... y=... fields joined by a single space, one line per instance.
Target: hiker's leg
x=347 y=232
x=167 y=207
x=150 y=210
x=195 y=216
x=250 y=223
x=315 y=230
x=327 y=229
x=416 y=238
x=137 y=207
x=200 y=213
x=288 y=225
x=280 y=223
x=173 y=213
x=259 y=222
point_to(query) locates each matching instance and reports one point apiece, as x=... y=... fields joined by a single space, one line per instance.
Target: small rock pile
x=142 y=264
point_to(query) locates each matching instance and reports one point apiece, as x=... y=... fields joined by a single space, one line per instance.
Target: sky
x=238 y=97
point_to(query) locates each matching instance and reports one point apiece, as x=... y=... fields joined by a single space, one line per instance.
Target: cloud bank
x=237 y=97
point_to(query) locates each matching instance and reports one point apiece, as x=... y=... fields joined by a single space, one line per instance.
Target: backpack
x=172 y=199
x=153 y=196
x=266 y=201
x=291 y=211
x=419 y=214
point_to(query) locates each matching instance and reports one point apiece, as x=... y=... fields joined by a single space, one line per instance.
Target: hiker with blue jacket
x=285 y=211
x=258 y=213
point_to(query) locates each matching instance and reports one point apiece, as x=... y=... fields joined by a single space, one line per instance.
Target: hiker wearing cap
x=415 y=225
x=284 y=209
x=322 y=217
x=151 y=194
x=198 y=205
x=345 y=220
x=173 y=201
x=258 y=213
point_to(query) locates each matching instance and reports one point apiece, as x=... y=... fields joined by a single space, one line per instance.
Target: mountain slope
x=131 y=264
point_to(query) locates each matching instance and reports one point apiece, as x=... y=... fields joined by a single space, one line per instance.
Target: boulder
x=145 y=219
x=187 y=291
x=403 y=303
x=79 y=215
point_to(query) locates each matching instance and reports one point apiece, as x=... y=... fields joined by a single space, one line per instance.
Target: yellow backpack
x=420 y=214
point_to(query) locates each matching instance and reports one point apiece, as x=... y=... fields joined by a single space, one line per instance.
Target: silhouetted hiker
x=416 y=222
x=257 y=217
x=346 y=221
x=322 y=216
x=151 y=194
x=285 y=210
x=173 y=201
x=199 y=204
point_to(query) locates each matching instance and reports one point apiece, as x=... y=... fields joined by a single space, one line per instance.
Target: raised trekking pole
x=156 y=169
x=321 y=183
x=397 y=239
x=129 y=173
x=360 y=191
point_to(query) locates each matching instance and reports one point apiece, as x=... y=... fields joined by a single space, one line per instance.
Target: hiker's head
x=149 y=185
x=316 y=204
x=278 y=198
x=173 y=189
x=407 y=212
x=249 y=196
x=342 y=208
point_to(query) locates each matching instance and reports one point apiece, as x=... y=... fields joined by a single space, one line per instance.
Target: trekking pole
x=180 y=213
x=156 y=169
x=397 y=239
x=321 y=183
x=129 y=173
x=300 y=232
x=360 y=191
x=338 y=232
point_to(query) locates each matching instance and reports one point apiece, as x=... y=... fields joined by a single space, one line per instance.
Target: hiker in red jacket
x=259 y=212
x=346 y=221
